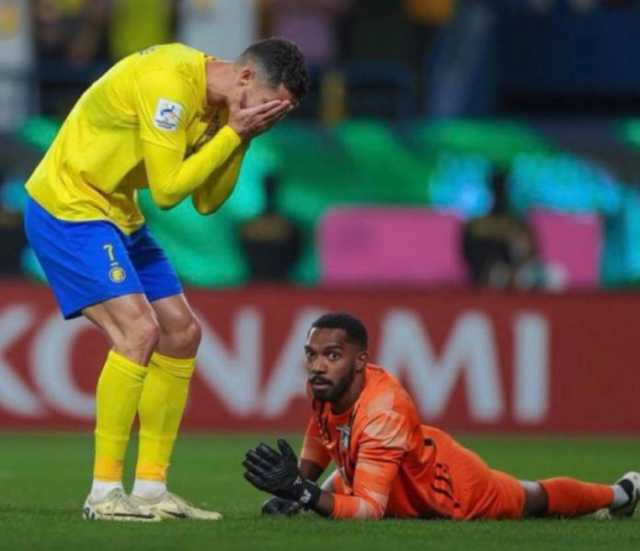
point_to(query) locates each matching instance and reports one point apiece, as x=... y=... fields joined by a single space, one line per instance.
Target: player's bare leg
x=161 y=407
x=180 y=332
x=130 y=324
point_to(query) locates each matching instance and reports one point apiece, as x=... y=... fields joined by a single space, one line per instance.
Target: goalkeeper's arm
x=310 y=469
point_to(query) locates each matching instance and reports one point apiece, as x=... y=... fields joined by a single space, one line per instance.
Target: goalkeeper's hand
x=277 y=473
x=278 y=506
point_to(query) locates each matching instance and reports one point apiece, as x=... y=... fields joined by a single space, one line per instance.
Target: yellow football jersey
x=95 y=165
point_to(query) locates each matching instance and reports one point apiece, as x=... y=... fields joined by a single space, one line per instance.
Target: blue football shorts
x=87 y=263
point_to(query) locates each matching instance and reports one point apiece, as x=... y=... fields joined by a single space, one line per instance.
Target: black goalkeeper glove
x=278 y=474
x=278 y=506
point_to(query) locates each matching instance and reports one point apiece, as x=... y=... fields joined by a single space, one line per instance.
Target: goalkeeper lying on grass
x=388 y=463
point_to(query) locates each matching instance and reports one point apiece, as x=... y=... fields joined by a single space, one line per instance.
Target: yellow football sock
x=117 y=397
x=162 y=404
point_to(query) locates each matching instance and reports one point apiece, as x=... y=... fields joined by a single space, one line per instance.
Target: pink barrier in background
x=570 y=242
x=369 y=245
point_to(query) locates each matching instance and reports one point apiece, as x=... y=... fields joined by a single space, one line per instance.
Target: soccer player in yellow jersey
x=179 y=122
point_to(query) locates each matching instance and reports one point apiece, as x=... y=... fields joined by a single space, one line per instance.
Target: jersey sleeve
x=381 y=449
x=312 y=447
x=171 y=178
x=218 y=187
x=164 y=103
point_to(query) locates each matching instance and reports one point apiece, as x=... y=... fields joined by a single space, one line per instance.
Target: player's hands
x=276 y=506
x=249 y=122
x=271 y=471
x=277 y=473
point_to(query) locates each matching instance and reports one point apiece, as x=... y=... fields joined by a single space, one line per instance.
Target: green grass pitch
x=44 y=479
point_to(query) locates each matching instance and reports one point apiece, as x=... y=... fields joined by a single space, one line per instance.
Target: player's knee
x=184 y=338
x=149 y=334
x=192 y=334
x=139 y=340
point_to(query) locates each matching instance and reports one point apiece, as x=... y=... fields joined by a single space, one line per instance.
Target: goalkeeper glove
x=278 y=474
x=278 y=506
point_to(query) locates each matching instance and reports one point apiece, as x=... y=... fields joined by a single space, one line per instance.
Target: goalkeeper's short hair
x=352 y=326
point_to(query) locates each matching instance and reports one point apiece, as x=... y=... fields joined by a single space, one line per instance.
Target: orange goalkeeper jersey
x=389 y=464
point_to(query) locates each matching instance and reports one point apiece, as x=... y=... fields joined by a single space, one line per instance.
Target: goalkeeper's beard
x=335 y=391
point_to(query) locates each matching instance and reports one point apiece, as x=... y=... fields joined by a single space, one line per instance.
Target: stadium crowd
x=396 y=62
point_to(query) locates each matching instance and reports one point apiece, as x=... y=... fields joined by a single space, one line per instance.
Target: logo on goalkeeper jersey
x=345 y=436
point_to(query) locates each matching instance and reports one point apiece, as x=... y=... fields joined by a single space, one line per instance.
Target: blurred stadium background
x=464 y=176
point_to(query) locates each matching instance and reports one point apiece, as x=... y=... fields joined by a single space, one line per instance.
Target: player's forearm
x=218 y=187
x=313 y=451
x=171 y=179
x=339 y=506
x=353 y=507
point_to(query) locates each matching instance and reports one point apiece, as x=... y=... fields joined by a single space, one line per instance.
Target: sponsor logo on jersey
x=167 y=115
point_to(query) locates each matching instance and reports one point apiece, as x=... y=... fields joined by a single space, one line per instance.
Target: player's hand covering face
x=256 y=106
x=277 y=473
x=249 y=122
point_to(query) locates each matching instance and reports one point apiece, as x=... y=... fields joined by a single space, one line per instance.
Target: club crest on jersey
x=167 y=115
x=345 y=436
x=117 y=274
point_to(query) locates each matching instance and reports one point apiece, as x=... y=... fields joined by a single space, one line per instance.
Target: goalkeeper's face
x=333 y=363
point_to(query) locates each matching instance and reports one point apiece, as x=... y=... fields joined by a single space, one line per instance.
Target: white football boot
x=629 y=508
x=171 y=506
x=116 y=506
